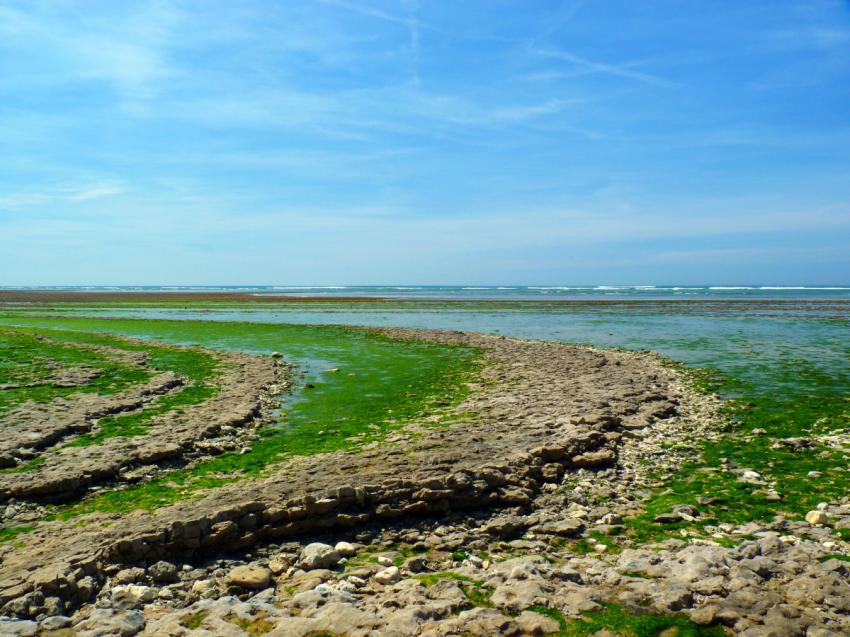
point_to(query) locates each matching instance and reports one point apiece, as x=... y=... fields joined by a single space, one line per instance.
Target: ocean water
x=751 y=341
x=507 y=292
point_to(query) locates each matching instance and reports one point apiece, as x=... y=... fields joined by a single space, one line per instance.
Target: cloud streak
x=586 y=66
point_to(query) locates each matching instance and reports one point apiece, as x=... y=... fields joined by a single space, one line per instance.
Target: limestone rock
x=345 y=549
x=18 y=628
x=486 y=622
x=132 y=596
x=318 y=555
x=250 y=577
x=107 y=621
x=531 y=623
x=817 y=518
x=388 y=576
x=163 y=572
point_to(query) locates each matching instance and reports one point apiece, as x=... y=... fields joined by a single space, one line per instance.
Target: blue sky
x=405 y=141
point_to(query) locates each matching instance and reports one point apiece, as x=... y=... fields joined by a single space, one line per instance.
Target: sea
x=495 y=292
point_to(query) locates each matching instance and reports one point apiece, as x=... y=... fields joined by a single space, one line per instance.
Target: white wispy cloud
x=126 y=49
x=369 y=12
x=58 y=194
x=623 y=70
x=410 y=7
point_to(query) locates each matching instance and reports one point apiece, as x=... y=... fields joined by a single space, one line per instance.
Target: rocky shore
x=500 y=516
x=39 y=433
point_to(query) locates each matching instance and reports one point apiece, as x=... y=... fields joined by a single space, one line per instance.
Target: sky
x=285 y=142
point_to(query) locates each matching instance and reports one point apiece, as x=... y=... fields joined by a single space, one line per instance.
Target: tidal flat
x=627 y=479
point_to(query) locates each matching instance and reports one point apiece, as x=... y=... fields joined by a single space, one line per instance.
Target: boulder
x=163 y=572
x=388 y=576
x=250 y=577
x=318 y=555
x=131 y=596
x=345 y=549
x=817 y=518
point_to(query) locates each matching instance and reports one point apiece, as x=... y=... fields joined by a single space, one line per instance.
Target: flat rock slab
x=43 y=431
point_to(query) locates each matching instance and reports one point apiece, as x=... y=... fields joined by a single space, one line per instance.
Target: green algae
x=19 y=346
x=430 y=579
x=27 y=362
x=763 y=424
x=618 y=620
x=193 y=621
x=358 y=385
x=8 y=533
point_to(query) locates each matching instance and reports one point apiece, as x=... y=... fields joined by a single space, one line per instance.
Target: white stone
x=317 y=555
x=388 y=575
x=201 y=586
x=817 y=518
x=132 y=595
x=345 y=549
x=278 y=564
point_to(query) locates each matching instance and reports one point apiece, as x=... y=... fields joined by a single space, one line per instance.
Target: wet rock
x=416 y=564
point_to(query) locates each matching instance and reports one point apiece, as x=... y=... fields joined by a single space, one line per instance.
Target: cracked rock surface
x=452 y=529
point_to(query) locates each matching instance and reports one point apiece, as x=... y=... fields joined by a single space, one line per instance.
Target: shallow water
x=749 y=342
x=495 y=292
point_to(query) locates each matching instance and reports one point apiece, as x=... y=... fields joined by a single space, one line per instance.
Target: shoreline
x=12 y=299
